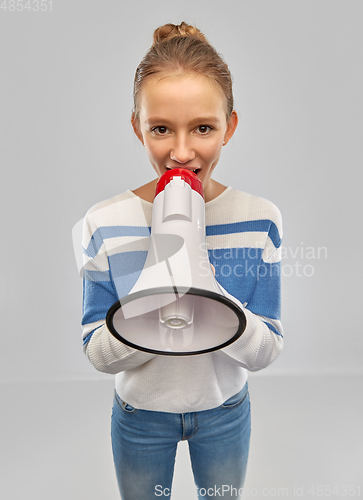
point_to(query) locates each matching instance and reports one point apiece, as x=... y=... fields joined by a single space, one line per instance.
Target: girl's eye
x=204 y=129
x=160 y=130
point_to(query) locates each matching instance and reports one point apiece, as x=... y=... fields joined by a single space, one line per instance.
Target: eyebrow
x=201 y=119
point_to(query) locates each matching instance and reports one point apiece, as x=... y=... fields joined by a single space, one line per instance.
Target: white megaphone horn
x=176 y=306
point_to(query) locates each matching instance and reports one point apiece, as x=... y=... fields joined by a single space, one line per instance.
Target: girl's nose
x=182 y=152
x=174 y=158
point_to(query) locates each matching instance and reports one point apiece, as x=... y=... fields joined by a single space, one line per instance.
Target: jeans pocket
x=125 y=406
x=236 y=400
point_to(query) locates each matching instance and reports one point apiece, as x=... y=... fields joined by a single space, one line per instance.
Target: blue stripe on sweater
x=127 y=263
x=240 y=270
x=106 y=232
x=126 y=268
x=266 y=297
x=236 y=269
x=88 y=337
x=262 y=225
x=98 y=297
x=272 y=328
x=95 y=275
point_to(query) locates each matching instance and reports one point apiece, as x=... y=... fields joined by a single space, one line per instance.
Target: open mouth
x=196 y=170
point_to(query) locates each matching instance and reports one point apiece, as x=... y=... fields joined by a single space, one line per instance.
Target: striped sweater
x=243 y=235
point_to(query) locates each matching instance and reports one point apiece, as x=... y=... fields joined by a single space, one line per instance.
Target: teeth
x=195 y=170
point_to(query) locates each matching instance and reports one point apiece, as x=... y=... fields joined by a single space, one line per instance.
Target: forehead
x=181 y=93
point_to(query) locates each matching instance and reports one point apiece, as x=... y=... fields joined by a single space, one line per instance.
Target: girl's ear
x=136 y=127
x=231 y=126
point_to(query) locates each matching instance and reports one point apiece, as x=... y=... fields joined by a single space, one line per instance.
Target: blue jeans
x=144 y=445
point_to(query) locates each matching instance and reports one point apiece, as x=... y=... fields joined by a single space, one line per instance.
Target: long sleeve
x=248 y=266
x=107 y=240
x=262 y=341
x=109 y=355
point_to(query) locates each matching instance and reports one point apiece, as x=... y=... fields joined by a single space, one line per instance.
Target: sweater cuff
x=109 y=355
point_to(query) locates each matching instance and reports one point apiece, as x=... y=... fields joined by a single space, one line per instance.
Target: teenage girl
x=183 y=115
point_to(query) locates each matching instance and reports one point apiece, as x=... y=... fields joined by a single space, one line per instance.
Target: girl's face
x=183 y=124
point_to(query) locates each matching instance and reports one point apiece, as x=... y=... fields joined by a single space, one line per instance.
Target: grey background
x=67 y=143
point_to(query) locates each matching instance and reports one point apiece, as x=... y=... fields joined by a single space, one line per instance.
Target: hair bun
x=169 y=31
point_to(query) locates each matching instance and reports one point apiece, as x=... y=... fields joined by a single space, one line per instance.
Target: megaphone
x=176 y=306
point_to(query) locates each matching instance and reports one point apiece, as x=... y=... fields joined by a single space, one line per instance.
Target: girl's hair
x=183 y=49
